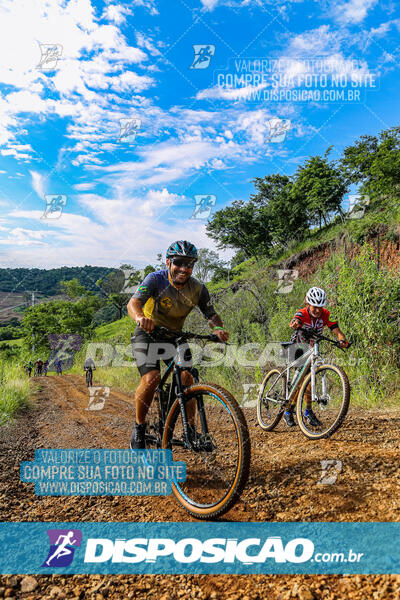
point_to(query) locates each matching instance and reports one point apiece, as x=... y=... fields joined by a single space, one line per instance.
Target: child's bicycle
x=215 y=448
x=325 y=389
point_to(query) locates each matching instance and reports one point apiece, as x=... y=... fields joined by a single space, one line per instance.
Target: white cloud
x=353 y=11
x=129 y=229
x=38 y=182
x=147 y=43
x=156 y=199
x=116 y=13
x=168 y=161
x=150 y=5
x=211 y=4
x=83 y=187
x=78 y=84
x=24 y=237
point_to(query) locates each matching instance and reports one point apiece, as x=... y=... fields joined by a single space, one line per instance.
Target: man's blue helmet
x=182 y=248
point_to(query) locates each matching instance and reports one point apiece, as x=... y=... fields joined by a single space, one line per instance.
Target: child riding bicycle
x=312 y=316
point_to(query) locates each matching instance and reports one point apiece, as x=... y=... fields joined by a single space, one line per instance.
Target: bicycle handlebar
x=182 y=335
x=313 y=333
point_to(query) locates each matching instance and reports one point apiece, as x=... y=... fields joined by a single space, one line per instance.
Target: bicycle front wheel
x=329 y=405
x=270 y=403
x=217 y=468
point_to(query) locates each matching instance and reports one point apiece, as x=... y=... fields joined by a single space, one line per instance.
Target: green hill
x=47 y=281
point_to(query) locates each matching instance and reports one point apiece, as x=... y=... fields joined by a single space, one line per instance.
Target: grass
x=18 y=342
x=116 y=351
x=14 y=391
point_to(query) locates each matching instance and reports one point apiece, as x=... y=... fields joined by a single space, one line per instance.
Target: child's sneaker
x=312 y=419
x=289 y=419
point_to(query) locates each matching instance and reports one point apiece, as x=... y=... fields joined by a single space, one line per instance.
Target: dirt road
x=286 y=484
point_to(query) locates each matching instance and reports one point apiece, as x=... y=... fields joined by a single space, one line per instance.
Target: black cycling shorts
x=149 y=349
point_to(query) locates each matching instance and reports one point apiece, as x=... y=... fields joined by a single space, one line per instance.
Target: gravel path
x=283 y=486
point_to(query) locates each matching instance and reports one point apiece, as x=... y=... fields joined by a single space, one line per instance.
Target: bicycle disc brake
x=323 y=401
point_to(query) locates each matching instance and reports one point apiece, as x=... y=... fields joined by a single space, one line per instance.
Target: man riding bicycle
x=38 y=367
x=164 y=299
x=58 y=365
x=28 y=367
x=89 y=366
x=312 y=316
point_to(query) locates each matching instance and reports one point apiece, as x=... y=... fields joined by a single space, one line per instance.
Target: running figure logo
x=50 y=53
x=202 y=56
x=204 y=205
x=129 y=129
x=54 y=206
x=278 y=129
x=63 y=543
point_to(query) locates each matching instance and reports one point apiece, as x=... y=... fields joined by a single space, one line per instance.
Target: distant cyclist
x=28 y=368
x=38 y=367
x=164 y=299
x=45 y=367
x=312 y=316
x=58 y=365
x=89 y=367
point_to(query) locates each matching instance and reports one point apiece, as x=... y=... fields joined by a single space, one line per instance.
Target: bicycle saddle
x=285 y=344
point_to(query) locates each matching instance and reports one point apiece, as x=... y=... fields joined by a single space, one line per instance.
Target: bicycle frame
x=310 y=359
x=164 y=407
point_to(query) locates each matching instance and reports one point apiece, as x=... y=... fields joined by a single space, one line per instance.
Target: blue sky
x=126 y=199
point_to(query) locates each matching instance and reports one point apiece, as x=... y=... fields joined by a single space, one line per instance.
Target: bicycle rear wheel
x=330 y=405
x=88 y=378
x=218 y=469
x=270 y=403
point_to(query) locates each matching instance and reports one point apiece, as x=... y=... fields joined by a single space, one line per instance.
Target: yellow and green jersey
x=169 y=306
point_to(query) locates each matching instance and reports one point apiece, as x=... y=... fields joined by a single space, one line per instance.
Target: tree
x=322 y=185
x=113 y=285
x=238 y=258
x=58 y=316
x=147 y=270
x=358 y=159
x=285 y=212
x=244 y=226
x=161 y=262
x=221 y=272
x=374 y=162
x=208 y=261
x=72 y=288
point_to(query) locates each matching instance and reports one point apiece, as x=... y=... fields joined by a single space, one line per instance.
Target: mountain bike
x=89 y=376
x=325 y=389
x=203 y=425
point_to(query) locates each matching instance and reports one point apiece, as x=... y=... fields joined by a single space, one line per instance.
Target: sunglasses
x=181 y=262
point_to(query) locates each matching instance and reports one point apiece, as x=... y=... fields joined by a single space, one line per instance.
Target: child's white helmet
x=316 y=297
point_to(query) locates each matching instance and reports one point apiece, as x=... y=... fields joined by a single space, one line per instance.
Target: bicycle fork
x=181 y=399
x=182 y=405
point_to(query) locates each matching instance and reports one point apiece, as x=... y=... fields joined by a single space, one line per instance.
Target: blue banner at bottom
x=200 y=548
